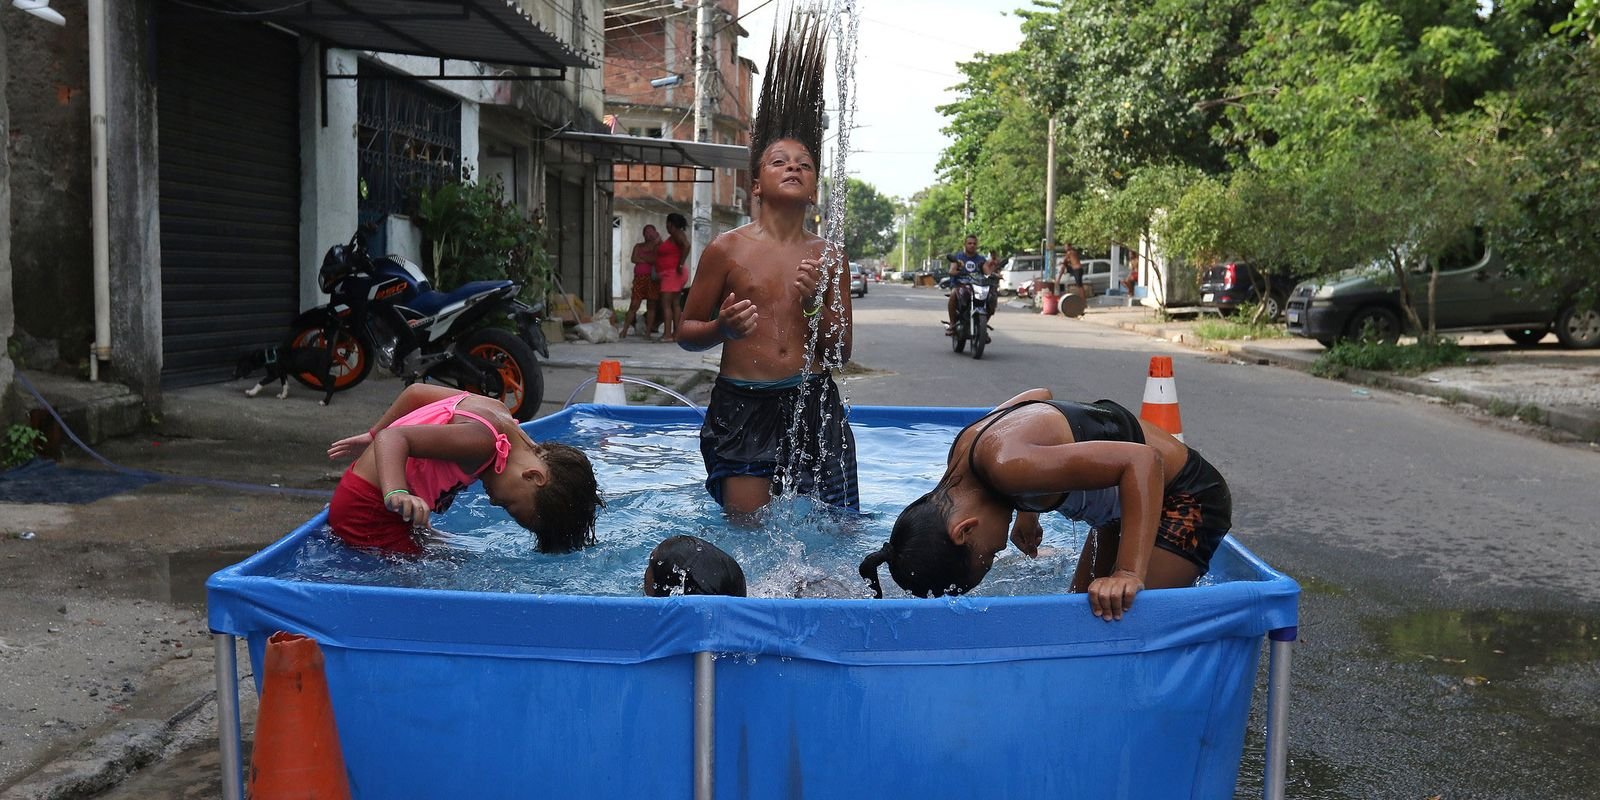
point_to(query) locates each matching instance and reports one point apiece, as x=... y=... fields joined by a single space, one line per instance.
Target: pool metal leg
x=705 y=708
x=227 y=671
x=1273 y=782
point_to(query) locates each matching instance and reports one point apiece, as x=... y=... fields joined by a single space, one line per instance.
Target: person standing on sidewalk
x=646 y=284
x=670 y=257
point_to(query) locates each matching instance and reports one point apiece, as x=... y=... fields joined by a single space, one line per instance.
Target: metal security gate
x=228 y=124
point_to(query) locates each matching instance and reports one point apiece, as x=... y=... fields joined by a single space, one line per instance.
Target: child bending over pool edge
x=756 y=293
x=433 y=442
x=1158 y=509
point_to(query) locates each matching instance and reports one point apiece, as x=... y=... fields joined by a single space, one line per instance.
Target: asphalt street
x=1450 y=635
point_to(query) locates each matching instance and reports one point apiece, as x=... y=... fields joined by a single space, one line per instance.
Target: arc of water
x=844 y=26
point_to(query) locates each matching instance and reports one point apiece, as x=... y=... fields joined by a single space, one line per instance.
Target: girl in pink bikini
x=670 y=255
x=432 y=443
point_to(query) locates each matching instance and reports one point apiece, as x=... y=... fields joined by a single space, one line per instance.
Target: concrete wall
x=135 y=199
x=7 y=313
x=328 y=173
x=48 y=146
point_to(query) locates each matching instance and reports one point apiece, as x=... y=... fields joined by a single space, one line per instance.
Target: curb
x=1584 y=425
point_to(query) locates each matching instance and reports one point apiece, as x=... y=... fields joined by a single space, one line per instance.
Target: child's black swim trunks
x=746 y=432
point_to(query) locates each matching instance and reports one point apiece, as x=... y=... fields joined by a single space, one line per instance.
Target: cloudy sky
x=905 y=63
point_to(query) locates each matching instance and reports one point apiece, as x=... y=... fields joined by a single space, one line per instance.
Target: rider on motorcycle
x=966 y=267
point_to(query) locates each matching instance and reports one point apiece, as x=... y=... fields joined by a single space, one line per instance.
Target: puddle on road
x=1493 y=644
x=1305 y=777
x=180 y=578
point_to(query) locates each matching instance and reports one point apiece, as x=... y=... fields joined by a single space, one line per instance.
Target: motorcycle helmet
x=335 y=265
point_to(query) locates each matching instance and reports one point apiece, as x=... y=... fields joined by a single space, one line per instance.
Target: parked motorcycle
x=973 y=293
x=384 y=310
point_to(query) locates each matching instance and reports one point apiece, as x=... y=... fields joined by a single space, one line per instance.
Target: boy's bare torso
x=763 y=271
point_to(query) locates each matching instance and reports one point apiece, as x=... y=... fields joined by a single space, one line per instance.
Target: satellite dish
x=40 y=9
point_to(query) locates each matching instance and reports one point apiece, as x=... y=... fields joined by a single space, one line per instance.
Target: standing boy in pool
x=757 y=294
x=432 y=443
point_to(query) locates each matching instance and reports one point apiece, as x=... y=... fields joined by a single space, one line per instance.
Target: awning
x=491 y=31
x=619 y=149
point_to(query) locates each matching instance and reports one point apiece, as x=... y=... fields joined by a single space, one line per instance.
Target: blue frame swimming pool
x=456 y=694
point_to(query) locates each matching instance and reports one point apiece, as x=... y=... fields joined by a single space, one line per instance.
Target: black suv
x=1227 y=286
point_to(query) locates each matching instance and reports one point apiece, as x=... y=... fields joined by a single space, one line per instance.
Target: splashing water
x=844 y=23
x=653 y=485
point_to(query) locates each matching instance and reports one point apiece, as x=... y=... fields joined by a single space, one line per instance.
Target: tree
x=1557 y=108
x=869 y=221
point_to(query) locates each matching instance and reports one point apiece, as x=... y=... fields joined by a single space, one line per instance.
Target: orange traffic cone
x=296 y=753
x=1161 y=398
x=608 y=385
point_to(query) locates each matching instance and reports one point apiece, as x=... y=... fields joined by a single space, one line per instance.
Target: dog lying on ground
x=281 y=363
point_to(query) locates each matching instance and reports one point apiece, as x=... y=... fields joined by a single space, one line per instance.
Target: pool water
x=652 y=480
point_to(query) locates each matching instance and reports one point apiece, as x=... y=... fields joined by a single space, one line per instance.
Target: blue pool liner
x=450 y=694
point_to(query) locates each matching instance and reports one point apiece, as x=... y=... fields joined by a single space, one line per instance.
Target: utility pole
x=903 y=227
x=1050 y=204
x=704 y=120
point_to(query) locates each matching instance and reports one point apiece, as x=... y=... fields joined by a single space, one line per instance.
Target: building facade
x=243 y=142
x=650 y=55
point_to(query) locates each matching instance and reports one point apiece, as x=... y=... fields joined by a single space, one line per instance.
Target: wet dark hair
x=791 y=91
x=564 y=508
x=676 y=220
x=922 y=558
x=694 y=564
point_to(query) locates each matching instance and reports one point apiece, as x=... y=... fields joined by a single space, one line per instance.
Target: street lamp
x=670 y=80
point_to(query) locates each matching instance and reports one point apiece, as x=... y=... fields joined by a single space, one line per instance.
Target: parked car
x=1483 y=294
x=1020 y=272
x=1096 y=276
x=1227 y=286
x=858 y=280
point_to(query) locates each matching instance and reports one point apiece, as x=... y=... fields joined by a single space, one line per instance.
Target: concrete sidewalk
x=1543 y=385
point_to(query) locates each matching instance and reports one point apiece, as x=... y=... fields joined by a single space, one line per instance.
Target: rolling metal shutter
x=228 y=123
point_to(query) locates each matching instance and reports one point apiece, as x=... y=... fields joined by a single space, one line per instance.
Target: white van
x=1021 y=271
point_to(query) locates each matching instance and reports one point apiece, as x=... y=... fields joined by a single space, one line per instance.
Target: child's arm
x=411 y=398
x=837 y=324
x=1023 y=469
x=469 y=445
x=734 y=318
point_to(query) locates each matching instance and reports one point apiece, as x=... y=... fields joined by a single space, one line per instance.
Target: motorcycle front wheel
x=351 y=362
x=980 y=337
x=521 y=379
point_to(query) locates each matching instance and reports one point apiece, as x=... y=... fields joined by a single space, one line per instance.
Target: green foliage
x=1557 y=131
x=936 y=227
x=20 y=445
x=1403 y=359
x=869 y=221
x=1309 y=136
x=1240 y=326
x=475 y=234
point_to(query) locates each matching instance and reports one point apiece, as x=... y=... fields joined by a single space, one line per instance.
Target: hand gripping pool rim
x=1161 y=398
x=608 y=389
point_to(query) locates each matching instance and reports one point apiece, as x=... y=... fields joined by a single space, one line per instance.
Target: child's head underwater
x=691 y=565
x=557 y=502
x=922 y=557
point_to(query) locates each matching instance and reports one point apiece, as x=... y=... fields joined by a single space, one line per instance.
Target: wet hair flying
x=791 y=91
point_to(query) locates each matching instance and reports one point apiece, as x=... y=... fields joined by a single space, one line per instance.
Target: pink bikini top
x=436 y=480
